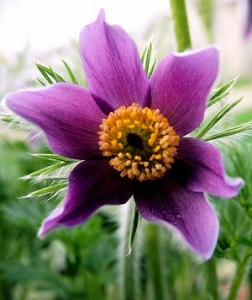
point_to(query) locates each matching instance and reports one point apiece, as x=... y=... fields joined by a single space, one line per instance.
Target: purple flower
x=130 y=133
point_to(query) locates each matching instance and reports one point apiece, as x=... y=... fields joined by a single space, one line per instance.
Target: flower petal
x=180 y=87
x=202 y=169
x=166 y=201
x=92 y=184
x=248 y=24
x=112 y=65
x=66 y=113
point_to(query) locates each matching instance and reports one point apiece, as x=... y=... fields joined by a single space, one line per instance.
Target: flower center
x=135 y=141
x=140 y=142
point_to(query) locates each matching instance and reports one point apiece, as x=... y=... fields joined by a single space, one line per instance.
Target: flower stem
x=179 y=16
x=239 y=274
x=156 y=264
x=127 y=259
x=212 y=279
x=5 y=285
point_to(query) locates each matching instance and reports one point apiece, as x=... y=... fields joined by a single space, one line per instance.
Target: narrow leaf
x=70 y=73
x=41 y=82
x=54 y=75
x=221 y=92
x=52 y=156
x=45 y=170
x=218 y=117
x=47 y=190
x=129 y=225
x=49 y=73
x=143 y=55
x=231 y=131
x=44 y=73
x=152 y=68
x=9 y=118
x=148 y=58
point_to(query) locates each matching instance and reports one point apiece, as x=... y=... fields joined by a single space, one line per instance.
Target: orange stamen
x=140 y=142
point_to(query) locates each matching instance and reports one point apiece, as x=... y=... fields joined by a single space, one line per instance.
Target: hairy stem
x=156 y=264
x=239 y=275
x=212 y=280
x=179 y=16
x=127 y=259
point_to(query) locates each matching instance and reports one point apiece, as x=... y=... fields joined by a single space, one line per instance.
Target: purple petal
x=248 y=25
x=166 y=201
x=202 y=169
x=66 y=113
x=92 y=184
x=180 y=87
x=112 y=65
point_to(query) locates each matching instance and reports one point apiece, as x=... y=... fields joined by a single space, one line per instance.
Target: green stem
x=127 y=259
x=212 y=280
x=156 y=265
x=5 y=286
x=179 y=16
x=240 y=272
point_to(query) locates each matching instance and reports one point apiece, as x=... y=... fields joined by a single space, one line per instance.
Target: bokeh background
x=85 y=263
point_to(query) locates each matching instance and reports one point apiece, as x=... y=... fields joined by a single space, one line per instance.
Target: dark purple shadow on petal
x=180 y=86
x=165 y=201
x=112 y=65
x=202 y=170
x=104 y=106
x=248 y=24
x=66 y=113
x=92 y=184
x=147 y=101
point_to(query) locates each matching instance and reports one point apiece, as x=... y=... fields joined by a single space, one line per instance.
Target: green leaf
x=133 y=229
x=43 y=71
x=47 y=190
x=55 y=76
x=36 y=272
x=58 y=171
x=146 y=58
x=44 y=171
x=9 y=118
x=221 y=92
x=70 y=73
x=49 y=74
x=218 y=117
x=41 y=82
x=230 y=131
x=49 y=172
x=242 y=240
x=152 y=68
x=144 y=54
x=129 y=226
x=53 y=157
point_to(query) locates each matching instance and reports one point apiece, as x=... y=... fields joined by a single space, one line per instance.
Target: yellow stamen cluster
x=140 y=142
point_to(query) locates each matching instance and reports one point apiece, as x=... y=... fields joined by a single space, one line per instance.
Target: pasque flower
x=130 y=134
